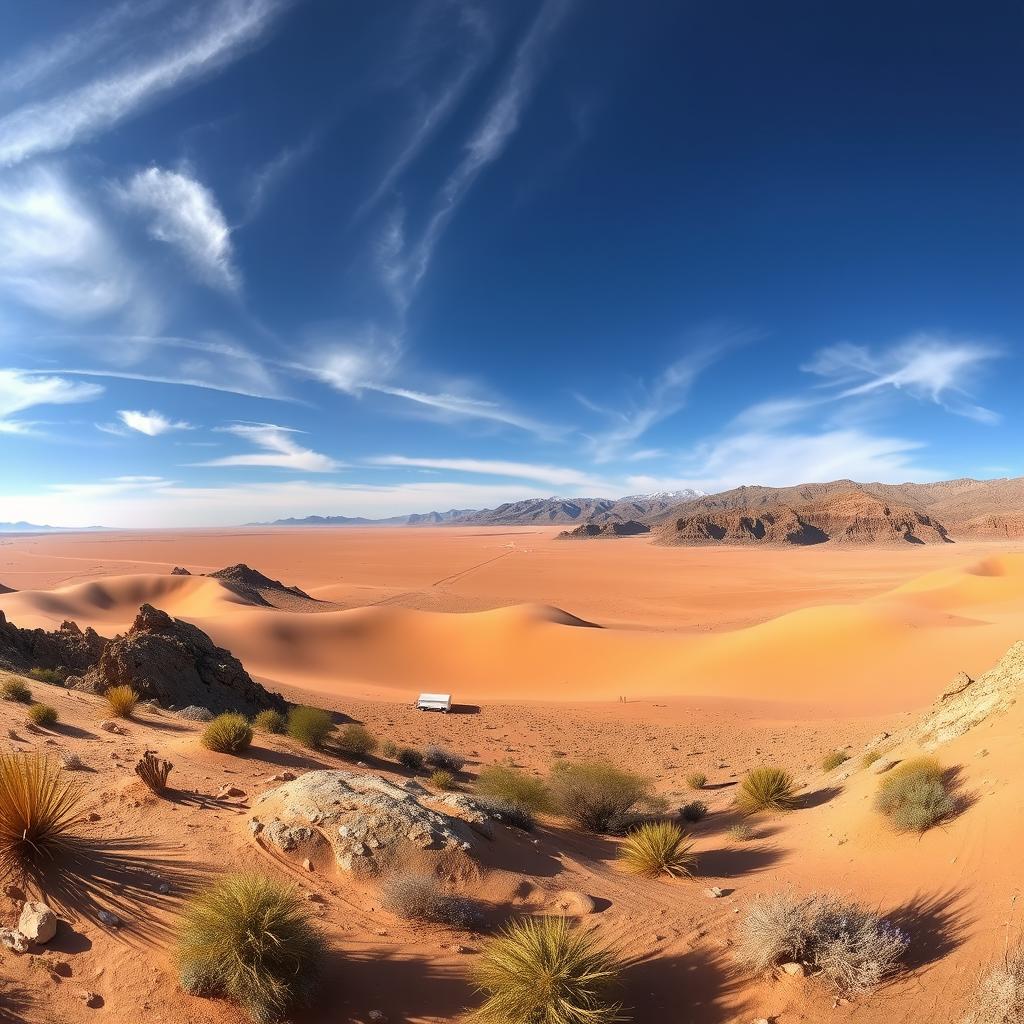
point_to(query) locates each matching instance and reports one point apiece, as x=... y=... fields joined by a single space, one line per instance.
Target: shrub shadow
x=736 y=860
x=651 y=988
x=818 y=797
x=73 y=731
x=14 y=1002
x=936 y=924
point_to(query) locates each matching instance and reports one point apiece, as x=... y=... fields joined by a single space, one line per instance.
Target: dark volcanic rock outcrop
x=179 y=571
x=66 y=650
x=176 y=663
x=630 y=528
x=251 y=583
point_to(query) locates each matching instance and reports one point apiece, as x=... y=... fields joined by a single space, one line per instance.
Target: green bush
x=914 y=795
x=390 y=749
x=356 y=741
x=43 y=714
x=251 y=940
x=766 y=789
x=695 y=810
x=696 y=780
x=310 y=726
x=657 y=848
x=546 y=971
x=596 y=796
x=15 y=690
x=229 y=733
x=410 y=758
x=269 y=721
x=439 y=757
x=513 y=786
x=832 y=761
x=47 y=675
x=442 y=780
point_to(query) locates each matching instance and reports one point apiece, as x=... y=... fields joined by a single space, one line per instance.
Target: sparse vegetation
x=250 y=939
x=229 y=733
x=15 y=690
x=658 y=848
x=421 y=897
x=270 y=721
x=512 y=814
x=47 y=675
x=741 y=832
x=870 y=758
x=830 y=762
x=546 y=971
x=356 y=741
x=310 y=726
x=696 y=780
x=121 y=701
x=39 y=809
x=153 y=771
x=1000 y=995
x=410 y=758
x=439 y=757
x=44 y=715
x=855 y=949
x=390 y=749
x=914 y=796
x=513 y=786
x=440 y=779
x=766 y=789
x=596 y=796
x=695 y=810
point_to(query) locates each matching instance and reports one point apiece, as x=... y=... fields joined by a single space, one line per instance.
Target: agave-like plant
x=39 y=809
x=658 y=848
x=766 y=789
x=546 y=971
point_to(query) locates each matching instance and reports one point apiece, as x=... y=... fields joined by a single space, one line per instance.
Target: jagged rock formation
x=630 y=528
x=252 y=584
x=358 y=822
x=775 y=526
x=175 y=663
x=7 y=590
x=66 y=650
x=179 y=571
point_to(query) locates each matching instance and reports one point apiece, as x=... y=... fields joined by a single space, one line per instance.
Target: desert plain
x=662 y=660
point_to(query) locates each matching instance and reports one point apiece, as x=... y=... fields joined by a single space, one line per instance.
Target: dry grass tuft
x=39 y=810
x=356 y=741
x=696 y=780
x=766 y=789
x=658 y=848
x=442 y=780
x=310 y=726
x=439 y=757
x=512 y=786
x=409 y=758
x=121 y=701
x=596 y=796
x=741 y=832
x=44 y=715
x=153 y=771
x=914 y=795
x=250 y=939
x=15 y=690
x=546 y=971
x=229 y=733
x=269 y=721
x=830 y=762
x=1000 y=995
x=421 y=897
x=695 y=810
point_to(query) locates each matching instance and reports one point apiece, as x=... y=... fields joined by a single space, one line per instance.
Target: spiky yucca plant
x=657 y=848
x=545 y=971
x=121 y=701
x=229 y=733
x=766 y=789
x=250 y=939
x=39 y=809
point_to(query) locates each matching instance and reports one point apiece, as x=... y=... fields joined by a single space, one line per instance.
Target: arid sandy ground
x=729 y=658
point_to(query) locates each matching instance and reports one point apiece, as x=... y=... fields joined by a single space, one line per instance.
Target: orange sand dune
x=891 y=652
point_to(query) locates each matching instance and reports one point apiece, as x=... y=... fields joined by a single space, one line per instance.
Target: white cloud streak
x=151 y=423
x=557 y=476
x=278 y=450
x=20 y=391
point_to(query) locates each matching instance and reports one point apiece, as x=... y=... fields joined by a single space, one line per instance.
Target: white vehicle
x=435 y=702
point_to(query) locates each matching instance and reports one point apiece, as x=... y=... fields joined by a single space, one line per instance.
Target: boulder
x=38 y=923
x=174 y=663
x=360 y=822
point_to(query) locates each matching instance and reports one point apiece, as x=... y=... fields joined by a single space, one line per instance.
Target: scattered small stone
x=109 y=725
x=282 y=777
x=93 y=816
x=794 y=969
x=107 y=918
x=307 y=864
x=12 y=939
x=714 y=892
x=315 y=897
x=91 y=999
x=230 y=791
x=38 y=923
x=164 y=888
x=376 y=1016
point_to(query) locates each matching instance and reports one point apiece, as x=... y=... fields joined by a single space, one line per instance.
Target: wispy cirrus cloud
x=556 y=476
x=151 y=423
x=278 y=449
x=183 y=213
x=20 y=391
x=196 y=41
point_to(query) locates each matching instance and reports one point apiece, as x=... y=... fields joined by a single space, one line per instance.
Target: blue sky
x=262 y=258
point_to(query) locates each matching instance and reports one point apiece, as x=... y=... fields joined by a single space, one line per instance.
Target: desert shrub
x=310 y=726
x=229 y=733
x=153 y=771
x=39 y=809
x=1000 y=995
x=741 y=832
x=914 y=795
x=356 y=741
x=870 y=758
x=832 y=761
x=47 y=675
x=43 y=714
x=442 y=780
x=513 y=786
x=594 y=795
x=657 y=848
x=390 y=749
x=15 y=690
x=766 y=789
x=121 y=701
x=250 y=939
x=269 y=721
x=421 y=897
x=438 y=757
x=695 y=810
x=546 y=971
x=410 y=758
x=854 y=948
x=505 y=811
x=696 y=780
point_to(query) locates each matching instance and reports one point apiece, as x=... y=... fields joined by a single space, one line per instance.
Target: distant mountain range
x=37 y=528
